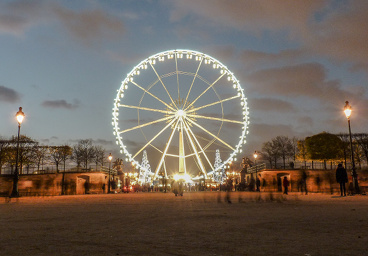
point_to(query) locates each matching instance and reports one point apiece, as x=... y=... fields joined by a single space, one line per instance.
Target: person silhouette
x=285 y=183
x=341 y=178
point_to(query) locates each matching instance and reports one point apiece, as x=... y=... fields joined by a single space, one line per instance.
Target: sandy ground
x=199 y=223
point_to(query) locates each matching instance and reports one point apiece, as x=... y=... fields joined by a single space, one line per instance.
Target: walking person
x=304 y=183
x=285 y=183
x=258 y=184
x=341 y=178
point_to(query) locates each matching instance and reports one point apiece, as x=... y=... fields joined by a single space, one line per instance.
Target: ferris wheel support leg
x=181 y=153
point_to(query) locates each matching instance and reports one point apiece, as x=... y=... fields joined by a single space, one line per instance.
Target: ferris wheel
x=180 y=106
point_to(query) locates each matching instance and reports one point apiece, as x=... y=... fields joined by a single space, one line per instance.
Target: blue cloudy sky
x=299 y=61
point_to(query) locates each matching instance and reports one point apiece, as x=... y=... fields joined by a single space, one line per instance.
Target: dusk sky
x=298 y=61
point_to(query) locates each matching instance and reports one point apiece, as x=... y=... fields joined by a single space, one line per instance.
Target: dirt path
x=199 y=223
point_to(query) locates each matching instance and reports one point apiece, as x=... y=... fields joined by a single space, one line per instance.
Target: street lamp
x=255 y=164
x=20 y=116
x=110 y=158
x=347 y=110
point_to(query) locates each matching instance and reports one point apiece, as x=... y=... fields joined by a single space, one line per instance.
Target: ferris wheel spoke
x=177 y=74
x=196 y=152
x=158 y=134
x=183 y=153
x=159 y=78
x=154 y=96
x=214 y=136
x=194 y=77
x=217 y=119
x=211 y=104
x=165 y=150
x=209 y=87
x=146 y=124
x=144 y=108
x=199 y=145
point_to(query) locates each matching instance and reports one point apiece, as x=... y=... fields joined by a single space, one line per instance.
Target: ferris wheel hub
x=180 y=113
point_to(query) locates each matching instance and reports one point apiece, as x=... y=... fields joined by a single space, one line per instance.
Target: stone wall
x=50 y=184
x=317 y=180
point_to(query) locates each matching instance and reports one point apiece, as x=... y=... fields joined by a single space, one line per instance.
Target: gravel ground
x=199 y=223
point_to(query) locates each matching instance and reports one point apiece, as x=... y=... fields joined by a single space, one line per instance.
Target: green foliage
x=324 y=146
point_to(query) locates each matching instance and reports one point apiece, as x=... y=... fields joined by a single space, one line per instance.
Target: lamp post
x=347 y=110
x=255 y=155
x=20 y=116
x=108 y=185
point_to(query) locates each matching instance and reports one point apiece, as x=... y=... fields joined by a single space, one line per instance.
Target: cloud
x=60 y=104
x=342 y=34
x=125 y=58
x=103 y=142
x=269 y=104
x=303 y=80
x=333 y=29
x=89 y=24
x=249 y=15
x=8 y=95
x=16 y=17
x=252 y=58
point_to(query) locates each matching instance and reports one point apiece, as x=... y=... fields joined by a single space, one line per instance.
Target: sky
x=298 y=61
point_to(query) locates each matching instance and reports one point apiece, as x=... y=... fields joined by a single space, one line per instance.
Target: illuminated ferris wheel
x=180 y=106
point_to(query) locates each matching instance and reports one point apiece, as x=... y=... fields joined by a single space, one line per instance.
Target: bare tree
x=5 y=146
x=83 y=153
x=40 y=154
x=284 y=146
x=66 y=153
x=26 y=151
x=56 y=156
x=362 y=141
x=99 y=155
x=345 y=144
x=270 y=152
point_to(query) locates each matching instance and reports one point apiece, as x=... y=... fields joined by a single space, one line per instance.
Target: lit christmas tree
x=145 y=171
x=219 y=175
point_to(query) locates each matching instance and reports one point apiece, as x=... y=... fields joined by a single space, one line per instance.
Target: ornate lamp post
x=347 y=110
x=255 y=155
x=109 y=184
x=20 y=116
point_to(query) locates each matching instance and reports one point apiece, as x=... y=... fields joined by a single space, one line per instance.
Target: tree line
x=32 y=154
x=320 y=147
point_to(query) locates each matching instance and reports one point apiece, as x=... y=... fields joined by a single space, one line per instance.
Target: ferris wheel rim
x=151 y=59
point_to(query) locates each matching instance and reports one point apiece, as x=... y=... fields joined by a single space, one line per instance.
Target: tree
x=26 y=151
x=362 y=141
x=66 y=153
x=40 y=154
x=345 y=138
x=270 y=152
x=99 y=155
x=284 y=146
x=294 y=142
x=303 y=153
x=5 y=147
x=56 y=156
x=324 y=146
x=83 y=153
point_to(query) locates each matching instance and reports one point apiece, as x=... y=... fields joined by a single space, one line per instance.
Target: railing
x=313 y=165
x=256 y=168
x=107 y=169
x=52 y=170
